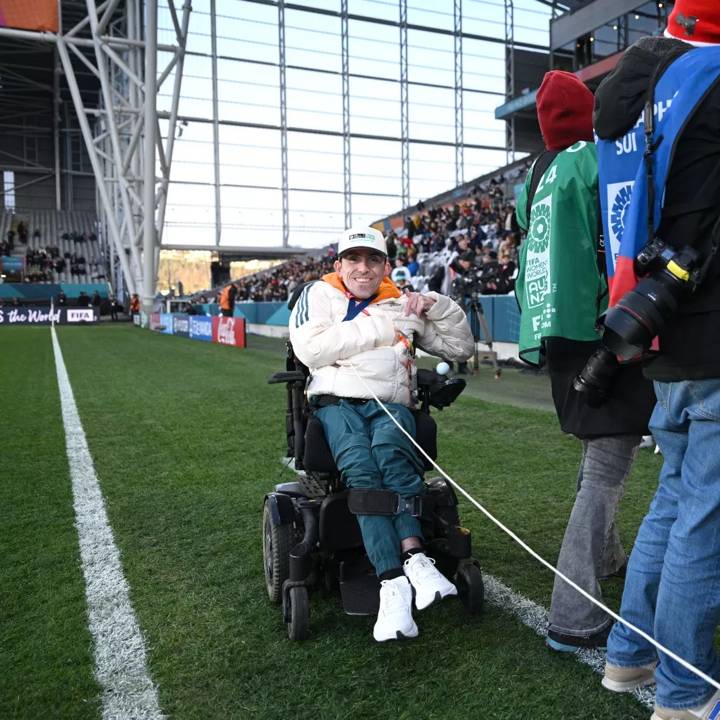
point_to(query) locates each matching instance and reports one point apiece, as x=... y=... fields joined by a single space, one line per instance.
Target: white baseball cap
x=365 y=237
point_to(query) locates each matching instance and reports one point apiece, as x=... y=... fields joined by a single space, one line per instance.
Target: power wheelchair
x=311 y=538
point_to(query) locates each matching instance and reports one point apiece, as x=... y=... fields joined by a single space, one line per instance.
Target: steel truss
x=283 y=125
x=459 y=120
x=510 y=77
x=121 y=132
x=347 y=170
x=404 y=109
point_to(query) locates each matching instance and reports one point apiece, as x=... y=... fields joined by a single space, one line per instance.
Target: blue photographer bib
x=622 y=172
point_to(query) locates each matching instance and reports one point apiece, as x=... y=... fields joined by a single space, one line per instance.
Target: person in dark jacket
x=673 y=575
x=561 y=292
x=114 y=308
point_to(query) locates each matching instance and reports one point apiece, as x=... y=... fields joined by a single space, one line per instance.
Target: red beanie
x=564 y=110
x=695 y=21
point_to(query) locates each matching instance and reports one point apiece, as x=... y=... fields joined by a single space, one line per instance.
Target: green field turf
x=187 y=438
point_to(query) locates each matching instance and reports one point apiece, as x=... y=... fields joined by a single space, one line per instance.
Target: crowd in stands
x=482 y=229
x=44 y=262
x=425 y=252
x=278 y=283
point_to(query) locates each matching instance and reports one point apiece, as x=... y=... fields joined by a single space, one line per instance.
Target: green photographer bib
x=558 y=283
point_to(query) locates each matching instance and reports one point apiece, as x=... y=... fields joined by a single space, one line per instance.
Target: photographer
x=496 y=276
x=561 y=291
x=465 y=290
x=466 y=276
x=673 y=575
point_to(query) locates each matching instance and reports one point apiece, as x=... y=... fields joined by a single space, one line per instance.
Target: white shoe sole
x=624 y=687
x=438 y=596
x=399 y=635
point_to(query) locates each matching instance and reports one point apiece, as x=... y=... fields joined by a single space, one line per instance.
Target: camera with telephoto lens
x=644 y=312
x=467 y=285
x=641 y=314
x=597 y=378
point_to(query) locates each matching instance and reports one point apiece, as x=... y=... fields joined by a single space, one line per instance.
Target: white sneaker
x=709 y=711
x=428 y=582
x=647 y=442
x=395 y=620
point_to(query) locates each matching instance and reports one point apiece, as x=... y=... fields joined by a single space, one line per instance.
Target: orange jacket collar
x=387 y=288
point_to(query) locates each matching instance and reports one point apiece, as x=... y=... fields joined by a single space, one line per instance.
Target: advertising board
x=181 y=325
x=201 y=327
x=166 y=323
x=229 y=331
x=23 y=315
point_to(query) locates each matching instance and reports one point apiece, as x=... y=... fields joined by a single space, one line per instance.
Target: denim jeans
x=591 y=547
x=371 y=452
x=672 y=590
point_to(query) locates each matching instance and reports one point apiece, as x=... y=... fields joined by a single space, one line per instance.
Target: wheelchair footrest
x=359 y=589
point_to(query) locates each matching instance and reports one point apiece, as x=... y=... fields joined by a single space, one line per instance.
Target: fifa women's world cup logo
x=537 y=260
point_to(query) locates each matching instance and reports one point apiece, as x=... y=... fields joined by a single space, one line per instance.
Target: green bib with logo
x=559 y=286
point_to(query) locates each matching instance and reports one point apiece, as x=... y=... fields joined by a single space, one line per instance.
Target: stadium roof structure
x=577 y=29
x=246 y=252
x=120 y=67
x=102 y=59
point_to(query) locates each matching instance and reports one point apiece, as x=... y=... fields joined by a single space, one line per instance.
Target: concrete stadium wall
x=45 y=291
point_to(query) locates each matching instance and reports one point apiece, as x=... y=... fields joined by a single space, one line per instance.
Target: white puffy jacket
x=337 y=352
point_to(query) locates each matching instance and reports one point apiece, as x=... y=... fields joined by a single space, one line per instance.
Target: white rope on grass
x=120 y=655
x=530 y=551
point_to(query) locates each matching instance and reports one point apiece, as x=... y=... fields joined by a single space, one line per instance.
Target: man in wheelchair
x=356 y=332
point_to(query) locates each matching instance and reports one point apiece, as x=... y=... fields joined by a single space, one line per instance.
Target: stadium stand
x=426 y=242
x=56 y=247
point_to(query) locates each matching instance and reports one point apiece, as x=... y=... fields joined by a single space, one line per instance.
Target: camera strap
x=542 y=163
x=650 y=145
x=601 y=262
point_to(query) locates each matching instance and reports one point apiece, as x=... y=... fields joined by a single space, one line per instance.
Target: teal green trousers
x=371 y=452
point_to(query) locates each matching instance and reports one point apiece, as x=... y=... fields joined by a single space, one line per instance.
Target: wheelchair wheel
x=298 y=614
x=471 y=588
x=277 y=541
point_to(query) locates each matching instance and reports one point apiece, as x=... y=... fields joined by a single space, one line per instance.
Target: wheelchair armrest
x=447 y=393
x=437 y=390
x=287 y=377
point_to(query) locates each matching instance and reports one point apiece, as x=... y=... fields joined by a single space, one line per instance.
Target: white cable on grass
x=529 y=550
x=120 y=655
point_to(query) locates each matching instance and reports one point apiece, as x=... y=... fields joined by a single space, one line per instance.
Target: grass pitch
x=187 y=438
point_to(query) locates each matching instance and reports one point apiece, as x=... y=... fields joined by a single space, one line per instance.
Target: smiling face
x=362 y=270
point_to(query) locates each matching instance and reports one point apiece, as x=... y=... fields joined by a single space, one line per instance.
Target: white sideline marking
x=536 y=618
x=120 y=661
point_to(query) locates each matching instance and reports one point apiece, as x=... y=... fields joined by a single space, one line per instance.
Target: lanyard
x=355 y=307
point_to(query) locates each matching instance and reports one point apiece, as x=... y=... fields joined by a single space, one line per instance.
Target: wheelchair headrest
x=297 y=292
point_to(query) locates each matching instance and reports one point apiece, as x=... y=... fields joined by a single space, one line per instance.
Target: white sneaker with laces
x=428 y=582
x=395 y=620
x=709 y=711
